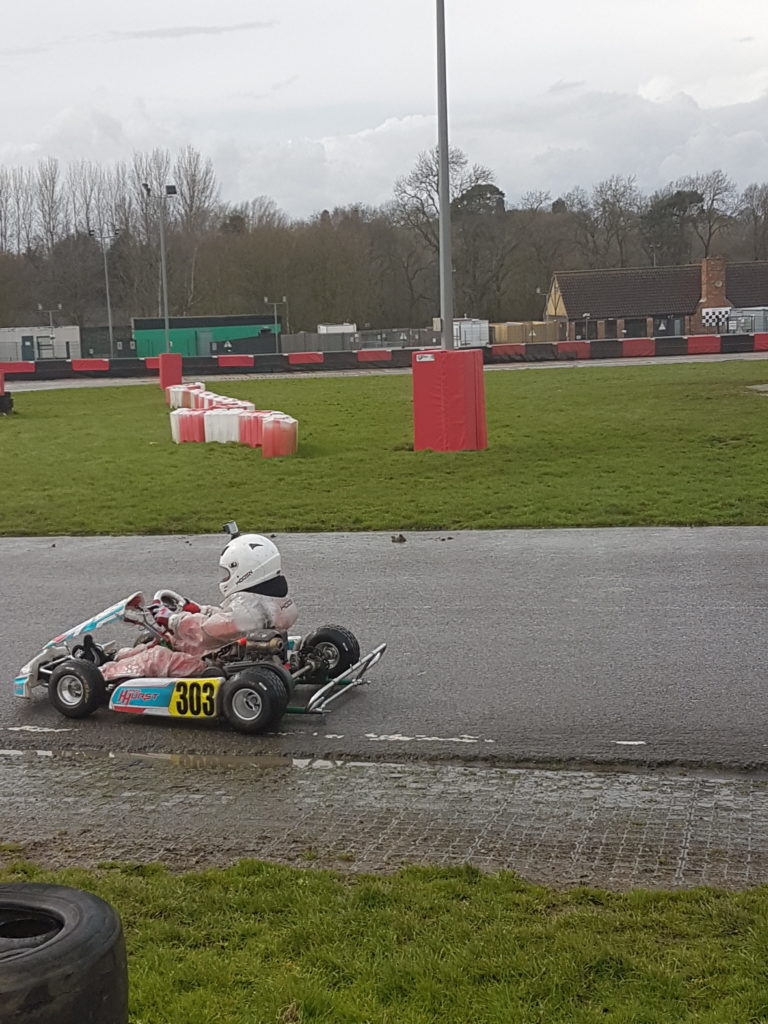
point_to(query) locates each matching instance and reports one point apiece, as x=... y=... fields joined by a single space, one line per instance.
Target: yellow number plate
x=194 y=698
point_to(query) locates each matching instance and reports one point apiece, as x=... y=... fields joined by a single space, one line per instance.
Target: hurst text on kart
x=250 y=683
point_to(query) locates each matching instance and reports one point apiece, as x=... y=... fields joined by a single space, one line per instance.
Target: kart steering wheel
x=170 y=599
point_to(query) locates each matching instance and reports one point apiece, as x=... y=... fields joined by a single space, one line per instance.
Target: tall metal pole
x=446 y=248
x=109 y=302
x=165 y=274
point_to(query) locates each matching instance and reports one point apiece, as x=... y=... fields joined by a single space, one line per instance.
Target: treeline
x=376 y=266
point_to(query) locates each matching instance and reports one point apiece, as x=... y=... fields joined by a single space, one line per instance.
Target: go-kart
x=250 y=684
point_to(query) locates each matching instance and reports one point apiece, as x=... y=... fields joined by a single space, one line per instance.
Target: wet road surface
x=641 y=646
x=614 y=830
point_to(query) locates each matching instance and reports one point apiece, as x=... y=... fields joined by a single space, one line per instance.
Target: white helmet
x=247 y=561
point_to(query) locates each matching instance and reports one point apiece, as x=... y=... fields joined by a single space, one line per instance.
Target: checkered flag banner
x=714 y=317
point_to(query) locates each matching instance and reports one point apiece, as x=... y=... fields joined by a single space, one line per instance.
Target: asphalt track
x=639 y=646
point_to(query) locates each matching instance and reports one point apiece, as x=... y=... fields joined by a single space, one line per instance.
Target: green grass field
x=678 y=444
x=259 y=944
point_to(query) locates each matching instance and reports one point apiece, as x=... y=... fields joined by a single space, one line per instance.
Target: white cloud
x=325 y=104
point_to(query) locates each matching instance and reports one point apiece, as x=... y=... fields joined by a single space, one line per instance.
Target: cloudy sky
x=324 y=102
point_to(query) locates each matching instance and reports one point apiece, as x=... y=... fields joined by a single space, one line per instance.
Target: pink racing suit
x=193 y=634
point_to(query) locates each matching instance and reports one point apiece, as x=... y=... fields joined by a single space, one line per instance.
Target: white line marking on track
x=34 y=728
x=630 y=743
x=398 y=738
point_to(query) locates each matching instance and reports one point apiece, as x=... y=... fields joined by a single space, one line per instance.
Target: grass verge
x=262 y=944
x=681 y=445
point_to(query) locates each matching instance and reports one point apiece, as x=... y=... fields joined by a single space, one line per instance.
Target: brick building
x=652 y=302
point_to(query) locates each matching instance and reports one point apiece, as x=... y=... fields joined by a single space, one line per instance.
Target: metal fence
x=308 y=341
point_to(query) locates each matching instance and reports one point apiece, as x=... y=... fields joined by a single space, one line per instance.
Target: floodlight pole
x=444 y=177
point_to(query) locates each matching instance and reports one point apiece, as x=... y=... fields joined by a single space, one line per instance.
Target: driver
x=255 y=597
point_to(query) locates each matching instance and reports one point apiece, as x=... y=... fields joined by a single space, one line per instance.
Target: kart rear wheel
x=283 y=677
x=337 y=646
x=77 y=688
x=253 y=700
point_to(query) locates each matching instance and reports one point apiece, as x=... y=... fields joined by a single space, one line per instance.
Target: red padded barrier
x=507 y=350
x=23 y=367
x=244 y=360
x=374 y=355
x=702 y=344
x=80 y=365
x=449 y=401
x=580 y=349
x=297 y=358
x=634 y=348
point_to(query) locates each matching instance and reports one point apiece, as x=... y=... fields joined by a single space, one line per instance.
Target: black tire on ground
x=286 y=683
x=340 y=646
x=254 y=700
x=62 y=957
x=77 y=688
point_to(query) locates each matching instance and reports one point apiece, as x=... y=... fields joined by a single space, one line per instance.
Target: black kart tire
x=254 y=700
x=77 y=688
x=285 y=680
x=337 y=641
x=62 y=957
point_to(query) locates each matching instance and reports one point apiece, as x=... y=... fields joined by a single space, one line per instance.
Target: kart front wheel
x=77 y=688
x=253 y=700
x=337 y=647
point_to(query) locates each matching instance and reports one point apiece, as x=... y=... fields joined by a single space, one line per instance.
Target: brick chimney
x=713 y=283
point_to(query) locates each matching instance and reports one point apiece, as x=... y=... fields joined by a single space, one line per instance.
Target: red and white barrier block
x=199 y=415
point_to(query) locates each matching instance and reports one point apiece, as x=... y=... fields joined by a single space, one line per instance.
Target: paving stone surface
x=563 y=828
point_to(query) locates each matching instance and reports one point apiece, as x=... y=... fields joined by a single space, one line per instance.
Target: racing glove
x=161 y=614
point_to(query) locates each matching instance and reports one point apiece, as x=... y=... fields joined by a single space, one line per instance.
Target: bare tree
x=6 y=210
x=617 y=203
x=23 y=207
x=754 y=211
x=195 y=180
x=718 y=207
x=50 y=202
x=417 y=194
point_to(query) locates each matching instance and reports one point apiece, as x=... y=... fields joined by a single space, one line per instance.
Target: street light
x=444 y=184
x=274 y=305
x=170 y=190
x=586 y=317
x=103 y=242
x=50 y=313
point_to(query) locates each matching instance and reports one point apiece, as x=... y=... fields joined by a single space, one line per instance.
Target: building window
x=611 y=329
x=637 y=327
x=668 y=327
x=586 y=330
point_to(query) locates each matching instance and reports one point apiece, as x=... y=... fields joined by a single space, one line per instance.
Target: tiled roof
x=746 y=284
x=644 y=291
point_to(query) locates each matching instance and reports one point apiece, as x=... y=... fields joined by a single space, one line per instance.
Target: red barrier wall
x=10 y=368
x=761 y=343
x=508 y=350
x=374 y=355
x=580 y=349
x=297 y=358
x=638 y=348
x=703 y=344
x=80 y=365
x=244 y=360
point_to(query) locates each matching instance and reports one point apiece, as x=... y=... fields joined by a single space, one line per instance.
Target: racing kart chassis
x=252 y=683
